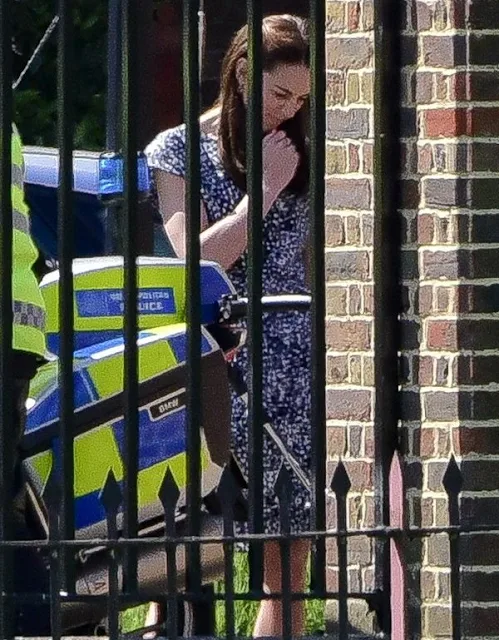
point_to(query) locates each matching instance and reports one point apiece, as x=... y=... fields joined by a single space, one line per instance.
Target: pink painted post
x=398 y=571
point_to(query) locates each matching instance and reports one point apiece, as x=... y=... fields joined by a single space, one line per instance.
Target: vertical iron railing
x=193 y=288
x=386 y=269
x=130 y=228
x=391 y=531
x=113 y=106
x=114 y=77
x=317 y=271
x=254 y=279
x=65 y=127
x=6 y=386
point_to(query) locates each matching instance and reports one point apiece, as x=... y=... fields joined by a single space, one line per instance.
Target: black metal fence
x=96 y=576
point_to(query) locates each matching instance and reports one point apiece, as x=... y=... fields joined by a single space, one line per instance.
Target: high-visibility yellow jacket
x=28 y=306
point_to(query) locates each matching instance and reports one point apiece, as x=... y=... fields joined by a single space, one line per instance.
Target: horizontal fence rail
x=229 y=493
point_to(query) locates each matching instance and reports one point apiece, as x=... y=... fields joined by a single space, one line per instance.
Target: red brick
x=359 y=472
x=360 y=551
x=368 y=16
x=353 y=158
x=369 y=441
x=427 y=519
x=481 y=440
x=348 y=193
x=442 y=334
x=336 y=441
x=355 y=301
x=423 y=89
x=410 y=194
x=443 y=230
x=426 y=228
x=443 y=442
x=448 y=123
x=442 y=371
x=335 y=234
x=336 y=369
x=441 y=87
x=369 y=511
x=427 y=443
x=443 y=299
x=480 y=621
x=355 y=439
x=441 y=512
x=353 y=16
x=438 y=51
x=335 y=88
x=484 y=122
x=427 y=585
x=424 y=16
x=425 y=301
x=347 y=265
x=356 y=512
x=346 y=53
x=368 y=299
x=368 y=158
x=457 y=17
x=409 y=151
x=332 y=583
x=441 y=264
x=368 y=580
x=353 y=230
x=444 y=123
x=350 y=335
x=336 y=301
x=355 y=368
x=425 y=159
x=459 y=86
x=349 y=404
x=425 y=378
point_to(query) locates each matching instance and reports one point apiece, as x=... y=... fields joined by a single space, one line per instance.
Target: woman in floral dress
x=224 y=211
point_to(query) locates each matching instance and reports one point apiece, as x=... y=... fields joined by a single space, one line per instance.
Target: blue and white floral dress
x=286 y=336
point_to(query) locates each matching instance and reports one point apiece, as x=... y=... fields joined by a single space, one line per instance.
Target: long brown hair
x=284 y=41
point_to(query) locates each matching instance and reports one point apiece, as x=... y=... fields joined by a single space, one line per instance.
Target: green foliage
x=36 y=97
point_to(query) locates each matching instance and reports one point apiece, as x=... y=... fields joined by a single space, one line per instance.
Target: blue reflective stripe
x=89 y=510
x=179 y=345
x=47 y=410
x=159 y=440
x=84 y=339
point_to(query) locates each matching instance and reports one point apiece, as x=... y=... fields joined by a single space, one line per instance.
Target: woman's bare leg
x=269 y=620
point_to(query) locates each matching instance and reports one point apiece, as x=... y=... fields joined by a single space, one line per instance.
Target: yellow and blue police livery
x=99 y=301
x=99 y=424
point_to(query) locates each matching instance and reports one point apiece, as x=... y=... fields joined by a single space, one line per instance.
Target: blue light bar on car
x=99 y=174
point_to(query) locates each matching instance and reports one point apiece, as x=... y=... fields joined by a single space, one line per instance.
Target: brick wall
x=349 y=231
x=450 y=263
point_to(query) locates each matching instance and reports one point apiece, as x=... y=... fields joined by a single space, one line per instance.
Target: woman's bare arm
x=222 y=242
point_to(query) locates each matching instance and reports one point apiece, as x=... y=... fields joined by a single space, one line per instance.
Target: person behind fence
x=224 y=212
x=29 y=350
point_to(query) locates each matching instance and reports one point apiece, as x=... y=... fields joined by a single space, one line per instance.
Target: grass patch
x=245 y=611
